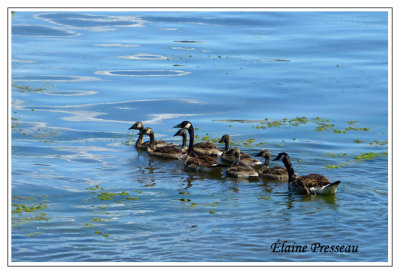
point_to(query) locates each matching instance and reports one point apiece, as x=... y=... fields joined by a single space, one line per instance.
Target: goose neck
x=289 y=168
x=139 y=141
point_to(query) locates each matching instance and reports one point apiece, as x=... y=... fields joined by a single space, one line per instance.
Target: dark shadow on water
x=293 y=198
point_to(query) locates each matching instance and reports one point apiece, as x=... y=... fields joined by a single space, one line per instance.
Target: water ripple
x=41 y=31
x=142 y=73
x=93 y=22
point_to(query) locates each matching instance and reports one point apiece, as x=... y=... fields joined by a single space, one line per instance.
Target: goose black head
x=181 y=132
x=137 y=125
x=146 y=131
x=225 y=138
x=281 y=155
x=264 y=153
x=184 y=124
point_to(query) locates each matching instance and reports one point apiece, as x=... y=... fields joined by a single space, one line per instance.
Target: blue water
x=82 y=193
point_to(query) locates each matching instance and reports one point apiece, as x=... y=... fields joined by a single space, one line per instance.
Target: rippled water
x=313 y=84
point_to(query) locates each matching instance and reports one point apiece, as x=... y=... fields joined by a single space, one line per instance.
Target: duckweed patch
x=370 y=156
x=89 y=225
x=101 y=233
x=378 y=143
x=357 y=128
x=214 y=204
x=380 y=192
x=334 y=155
x=24 y=213
x=20 y=208
x=337 y=166
x=32 y=234
x=21 y=88
x=100 y=220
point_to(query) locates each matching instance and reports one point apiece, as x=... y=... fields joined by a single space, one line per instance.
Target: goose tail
x=329 y=189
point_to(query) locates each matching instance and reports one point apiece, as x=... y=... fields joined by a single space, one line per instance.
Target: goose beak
x=176 y=134
x=178 y=126
x=259 y=154
x=132 y=127
x=276 y=159
x=220 y=141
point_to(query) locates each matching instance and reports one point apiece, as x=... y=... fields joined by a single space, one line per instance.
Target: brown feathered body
x=193 y=161
x=240 y=169
x=168 y=152
x=274 y=173
x=228 y=157
x=244 y=158
x=308 y=183
x=207 y=148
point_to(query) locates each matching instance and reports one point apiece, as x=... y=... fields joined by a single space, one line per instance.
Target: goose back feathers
x=240 y=169
x=169 y=151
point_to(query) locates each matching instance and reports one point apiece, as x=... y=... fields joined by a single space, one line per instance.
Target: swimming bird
x=205 y=148
x=229 y=157
x=274 y=173
x=308 y=184
x=240 y=169
x=182 y=132
x=193 y=160
x=139 y=142
x=169 y=151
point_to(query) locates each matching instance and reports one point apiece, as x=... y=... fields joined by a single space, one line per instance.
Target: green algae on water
x=378 y=143
x=101 y=233
x=334 y=155
x=370 y=156
x=21 y=88
x=32 y=234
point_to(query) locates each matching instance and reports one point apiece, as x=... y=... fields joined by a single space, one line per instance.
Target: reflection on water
x=90 y=21
x=144 y=56
x=142 y=73
x=82 y=192
x=52 y=78
x=41 y=31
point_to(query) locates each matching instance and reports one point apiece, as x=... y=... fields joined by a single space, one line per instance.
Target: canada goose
x=274 y=173
x=182 y=132
x=139 y=142
x=308 y=184
x=169 y=151
x=205 y=148
x=240 y=169
x=193 y=160
x=138 y=125
x=228 y=156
